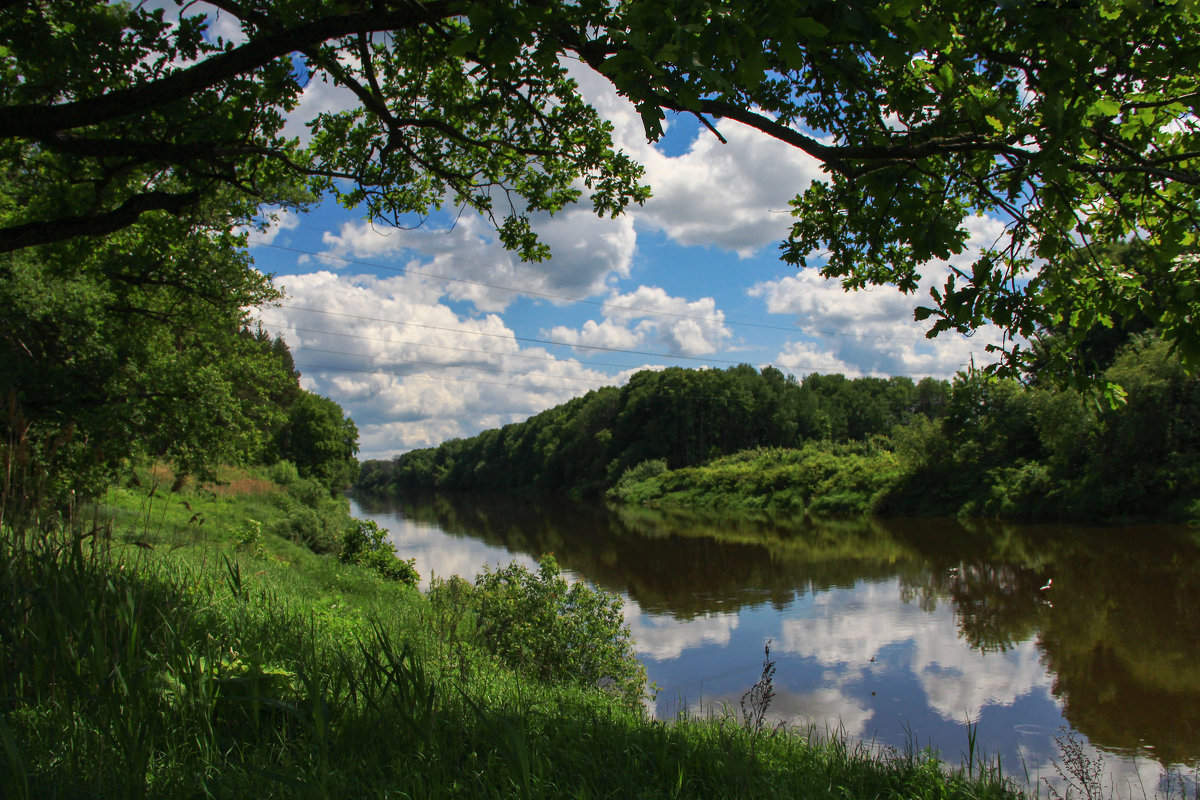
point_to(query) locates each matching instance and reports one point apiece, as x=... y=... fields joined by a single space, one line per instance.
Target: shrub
x=636 y=474
x=366 y=543
x=283 y=473
x=303 y=525
x=537 y=623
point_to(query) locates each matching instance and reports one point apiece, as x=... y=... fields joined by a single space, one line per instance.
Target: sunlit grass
x=146 y=655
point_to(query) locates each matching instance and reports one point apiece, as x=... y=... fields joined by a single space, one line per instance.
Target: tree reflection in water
x=1118 y=629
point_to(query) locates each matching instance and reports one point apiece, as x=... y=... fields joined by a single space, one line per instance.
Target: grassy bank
x=185 y=645
x=819 y=477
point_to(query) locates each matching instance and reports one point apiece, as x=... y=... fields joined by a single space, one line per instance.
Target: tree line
x=977 y=445
x=682 y=416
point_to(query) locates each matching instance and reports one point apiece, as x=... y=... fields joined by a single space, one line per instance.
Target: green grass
x=819 y=477
x=146 y=655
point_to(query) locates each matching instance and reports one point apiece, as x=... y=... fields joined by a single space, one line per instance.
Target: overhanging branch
x=47 y=231
x=40 y=121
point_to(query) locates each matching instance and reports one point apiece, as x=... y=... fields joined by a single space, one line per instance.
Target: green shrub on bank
x=366 y=544
x=312 y=516
x=819 y=477
x=559 y=633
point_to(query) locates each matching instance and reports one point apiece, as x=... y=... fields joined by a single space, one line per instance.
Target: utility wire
x=517 y=338
x=430 y=377
x=601 y=303
x=485 y=368
x=530 y=340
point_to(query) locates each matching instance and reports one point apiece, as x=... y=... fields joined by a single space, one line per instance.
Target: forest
x=741 y=437
x=172 y=623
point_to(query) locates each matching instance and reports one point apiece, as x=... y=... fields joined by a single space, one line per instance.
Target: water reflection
x=903 y=631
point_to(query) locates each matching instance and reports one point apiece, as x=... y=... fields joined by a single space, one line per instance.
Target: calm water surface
x=902 y=633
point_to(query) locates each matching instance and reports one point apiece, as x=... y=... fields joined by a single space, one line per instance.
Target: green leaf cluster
x=1075 y=125
x=365 y=543
x=559 y=632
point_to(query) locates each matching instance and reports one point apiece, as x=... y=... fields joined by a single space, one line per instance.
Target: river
x=902 y=633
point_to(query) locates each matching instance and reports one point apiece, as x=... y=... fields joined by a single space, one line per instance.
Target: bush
x=306 y=526
x=635 y=475
x=314 y=518
x=283 y=473
x=538 y=624
x=365 y=543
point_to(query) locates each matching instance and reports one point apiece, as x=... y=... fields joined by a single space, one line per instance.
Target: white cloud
x=850 y=630
x=320 y=96
x=805 y=358
x=650 y=318
x=664 y=638
x=586 y=252
x=873 y=329
x=410 y=371
x=275 y=221
x=733 y=196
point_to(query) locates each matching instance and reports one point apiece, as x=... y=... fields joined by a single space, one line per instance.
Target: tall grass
x=185 y=667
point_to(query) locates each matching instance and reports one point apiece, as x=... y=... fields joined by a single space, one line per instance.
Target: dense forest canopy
x=682 y=416
x=739 y=437
x=1073 y=123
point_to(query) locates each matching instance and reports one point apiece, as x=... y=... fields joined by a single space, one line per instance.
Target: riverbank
x=979 y=446
x=178 y=645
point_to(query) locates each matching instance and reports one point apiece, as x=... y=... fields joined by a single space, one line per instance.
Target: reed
x=191 y=668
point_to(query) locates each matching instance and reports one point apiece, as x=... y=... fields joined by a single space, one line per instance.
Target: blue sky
x=436 y=332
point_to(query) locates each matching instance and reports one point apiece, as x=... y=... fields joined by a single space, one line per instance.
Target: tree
x=320 y=441
x=1073 y=121
x=133 y=345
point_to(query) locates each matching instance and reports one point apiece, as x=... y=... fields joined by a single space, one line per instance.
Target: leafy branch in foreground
x=1071 y=125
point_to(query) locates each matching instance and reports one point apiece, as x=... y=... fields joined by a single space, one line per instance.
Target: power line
x=516 y=338
x=406 y=362
x=427 y=376
x=441 y=346
x=565 y=299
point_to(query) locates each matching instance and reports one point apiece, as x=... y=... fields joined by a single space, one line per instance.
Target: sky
x=436 y=332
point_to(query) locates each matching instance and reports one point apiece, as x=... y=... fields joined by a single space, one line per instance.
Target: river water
x=901 y=633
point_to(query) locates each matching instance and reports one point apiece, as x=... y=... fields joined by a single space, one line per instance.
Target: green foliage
x=558 y=632
x=166 y=671
x=636 y=474
x=676 y=416
x=925 y=116
x=982 y=446
x=135 y=346
x=494 y=112
x=249 y=538
x=366 y=544
x=819 y=477
x=1007 y=450
x=319 y=441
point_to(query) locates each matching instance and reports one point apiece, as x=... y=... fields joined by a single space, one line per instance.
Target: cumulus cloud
x=408 y=369
x=274 y=221
x=731 y=195
x=665 y=638
x=426 y=544
x=586 y=252
x=650 y=318
x=873 y=329
x=320 y=96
